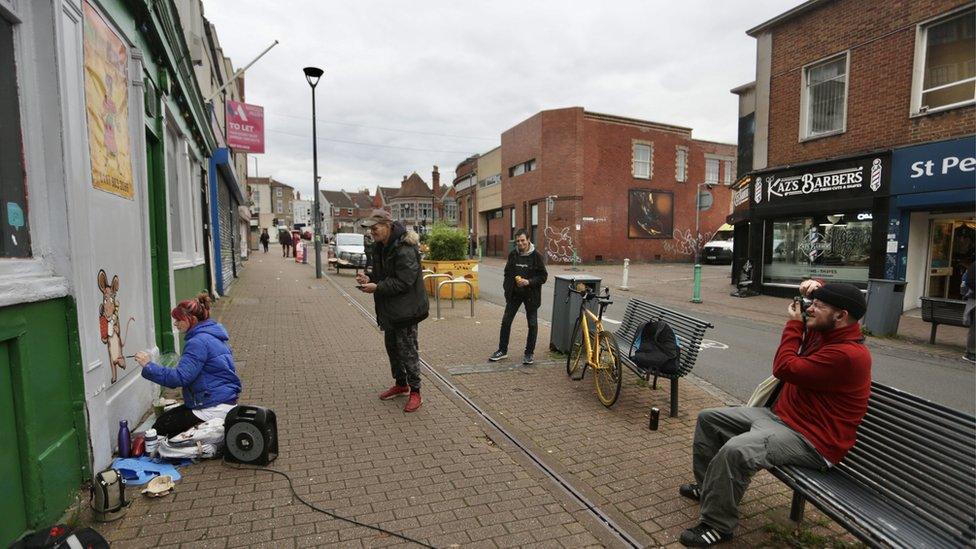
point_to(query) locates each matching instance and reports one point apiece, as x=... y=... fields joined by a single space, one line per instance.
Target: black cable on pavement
x=323 y=511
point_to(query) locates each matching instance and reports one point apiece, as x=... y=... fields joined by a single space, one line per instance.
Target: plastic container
x=152 y=442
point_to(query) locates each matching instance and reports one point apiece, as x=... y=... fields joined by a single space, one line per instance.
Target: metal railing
x=452 y=282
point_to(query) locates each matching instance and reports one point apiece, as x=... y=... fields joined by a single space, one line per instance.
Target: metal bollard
x=453 y=282
x=623 y=285
x=437 y=290
x=696 y=289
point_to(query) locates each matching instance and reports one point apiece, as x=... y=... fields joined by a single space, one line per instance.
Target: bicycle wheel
x=607 y=374
x=576 y=358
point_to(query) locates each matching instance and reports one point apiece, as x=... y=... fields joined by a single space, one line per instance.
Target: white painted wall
x=104 y=231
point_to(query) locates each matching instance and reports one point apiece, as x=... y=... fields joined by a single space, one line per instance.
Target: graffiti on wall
x=686 y=242
x=108 y=322
x=559 y=245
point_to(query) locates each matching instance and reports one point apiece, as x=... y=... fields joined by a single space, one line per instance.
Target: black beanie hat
x=842 y=296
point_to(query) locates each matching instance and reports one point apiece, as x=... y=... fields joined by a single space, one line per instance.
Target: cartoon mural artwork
x=111 y=330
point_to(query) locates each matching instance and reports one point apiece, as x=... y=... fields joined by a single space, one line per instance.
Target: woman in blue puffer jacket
x=206 y=370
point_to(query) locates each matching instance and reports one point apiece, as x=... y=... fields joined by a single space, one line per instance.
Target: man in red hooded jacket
x=825 y=374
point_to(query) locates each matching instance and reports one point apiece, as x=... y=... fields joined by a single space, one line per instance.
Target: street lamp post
x=312 y=75
x=696 y=290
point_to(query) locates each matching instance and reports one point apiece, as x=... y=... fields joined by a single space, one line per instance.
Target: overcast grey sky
x=411 y=84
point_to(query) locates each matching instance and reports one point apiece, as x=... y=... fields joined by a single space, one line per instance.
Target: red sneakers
x=413 y=403
x=394 y=392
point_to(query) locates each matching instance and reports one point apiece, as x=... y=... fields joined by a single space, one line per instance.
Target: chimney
x=435 y=178
x=404 y=179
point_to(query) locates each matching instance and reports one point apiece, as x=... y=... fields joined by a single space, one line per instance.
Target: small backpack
x=656 y=348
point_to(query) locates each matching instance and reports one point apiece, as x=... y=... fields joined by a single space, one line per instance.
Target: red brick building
x=607 y=187
x=850 y=98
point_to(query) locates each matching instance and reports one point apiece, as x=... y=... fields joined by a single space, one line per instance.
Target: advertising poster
x=650 y=214
x=245 y=127
x=107 y=105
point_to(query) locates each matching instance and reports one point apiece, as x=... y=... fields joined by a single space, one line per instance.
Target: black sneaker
x=528 y=359
x=702 y=535
x=690 y=491
x=498 y=355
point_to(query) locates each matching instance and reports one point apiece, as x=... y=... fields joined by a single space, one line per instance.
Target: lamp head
x=312 y=74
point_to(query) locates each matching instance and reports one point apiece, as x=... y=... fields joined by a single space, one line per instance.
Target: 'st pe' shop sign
x=245 y=127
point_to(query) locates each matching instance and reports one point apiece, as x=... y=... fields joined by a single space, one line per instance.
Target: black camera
x=803 y=303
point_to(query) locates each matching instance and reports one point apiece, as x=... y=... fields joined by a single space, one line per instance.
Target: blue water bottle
x=125 y=439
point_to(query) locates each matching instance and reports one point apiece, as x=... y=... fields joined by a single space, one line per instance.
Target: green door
x=12 y=504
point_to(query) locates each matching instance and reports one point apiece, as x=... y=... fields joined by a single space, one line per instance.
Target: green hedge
x=447 y=243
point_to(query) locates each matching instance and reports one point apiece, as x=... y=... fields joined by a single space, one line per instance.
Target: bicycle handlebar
x=587 y=294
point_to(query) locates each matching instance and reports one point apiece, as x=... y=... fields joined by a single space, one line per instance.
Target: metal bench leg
x=796 y=508
x=935 y=326
x=674 y=397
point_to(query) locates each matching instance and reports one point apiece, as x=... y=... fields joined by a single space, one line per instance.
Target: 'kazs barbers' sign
x=847 y=178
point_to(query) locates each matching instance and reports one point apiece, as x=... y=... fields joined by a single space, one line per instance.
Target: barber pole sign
x=245 y=127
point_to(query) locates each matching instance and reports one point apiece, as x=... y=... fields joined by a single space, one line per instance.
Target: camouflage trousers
x=401 y=347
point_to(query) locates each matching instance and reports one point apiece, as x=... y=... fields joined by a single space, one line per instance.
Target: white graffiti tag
x=685 y=242
x=559 y=245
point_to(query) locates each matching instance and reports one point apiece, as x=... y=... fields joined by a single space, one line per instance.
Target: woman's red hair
x=193 y=310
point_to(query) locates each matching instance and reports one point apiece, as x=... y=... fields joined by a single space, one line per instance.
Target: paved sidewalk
x=441 y=475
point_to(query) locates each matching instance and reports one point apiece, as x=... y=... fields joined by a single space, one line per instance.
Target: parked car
x=719 y=249
x=350 y=249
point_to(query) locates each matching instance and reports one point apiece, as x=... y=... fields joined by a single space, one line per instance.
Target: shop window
x=15 y=232
x=174 y=155
x=824 y=98
x=642 y=160
x=833 y=247
x=945 y=63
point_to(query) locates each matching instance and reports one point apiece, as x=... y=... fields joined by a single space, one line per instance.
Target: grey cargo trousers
x=731 y=445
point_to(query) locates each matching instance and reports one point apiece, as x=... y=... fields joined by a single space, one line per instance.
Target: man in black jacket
x=400 y=299
x=525 y=273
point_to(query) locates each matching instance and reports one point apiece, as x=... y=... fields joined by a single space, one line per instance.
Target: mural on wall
x=650 y=214
x=108 y=322
x=107 y=105
x=559 y=245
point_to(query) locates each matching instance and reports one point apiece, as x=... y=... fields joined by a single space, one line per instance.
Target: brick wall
x=881 y=40
x=585 y=160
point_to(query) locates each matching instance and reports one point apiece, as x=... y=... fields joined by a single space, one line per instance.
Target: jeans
x=531 y=315
x=731 y=445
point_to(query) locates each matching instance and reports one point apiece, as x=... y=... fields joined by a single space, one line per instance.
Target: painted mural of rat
x=110 y=327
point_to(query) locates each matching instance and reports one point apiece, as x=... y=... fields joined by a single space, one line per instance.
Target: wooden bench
x=689 y=330
x=909 y=481
x=942 y=311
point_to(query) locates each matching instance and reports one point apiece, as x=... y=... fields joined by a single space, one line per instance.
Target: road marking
x=712 y=344
x=611 y=321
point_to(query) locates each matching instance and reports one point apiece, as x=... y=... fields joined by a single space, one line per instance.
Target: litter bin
x=564 y=314
x=885 y=301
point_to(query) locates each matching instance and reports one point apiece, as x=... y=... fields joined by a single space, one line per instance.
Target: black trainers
x=702 y=535
x=528 y=359
x=690 y=491
x=498 y=355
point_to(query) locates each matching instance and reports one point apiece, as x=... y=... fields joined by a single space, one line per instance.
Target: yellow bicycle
x=594 y=347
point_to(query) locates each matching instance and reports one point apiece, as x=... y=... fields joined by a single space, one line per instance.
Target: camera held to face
x=803 y=303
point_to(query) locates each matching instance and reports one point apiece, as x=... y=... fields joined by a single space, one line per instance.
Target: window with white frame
x=175 y=151
x=196 y=174
x=641 y=163
x=726 y=172
x=681 y=164
x=824 y=97
x=945 y=63
x=711 y=171
x=425 y=211
x=524 y=167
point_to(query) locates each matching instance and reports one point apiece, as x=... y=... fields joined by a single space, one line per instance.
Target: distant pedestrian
x=968 y=291
x=400 y=300
x=284 y=237
x=525 y=273
x=265 y=239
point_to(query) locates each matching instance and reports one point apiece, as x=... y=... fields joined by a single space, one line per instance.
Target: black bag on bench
x=655 y=348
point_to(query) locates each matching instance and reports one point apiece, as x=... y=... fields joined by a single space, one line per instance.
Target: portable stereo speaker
x=251 y=435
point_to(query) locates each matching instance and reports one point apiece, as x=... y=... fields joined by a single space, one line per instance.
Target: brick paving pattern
x=441 y=475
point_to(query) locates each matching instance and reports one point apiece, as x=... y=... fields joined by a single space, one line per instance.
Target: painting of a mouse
x=111 y=330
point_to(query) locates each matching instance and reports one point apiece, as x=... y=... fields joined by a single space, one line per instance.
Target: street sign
x=705 y=200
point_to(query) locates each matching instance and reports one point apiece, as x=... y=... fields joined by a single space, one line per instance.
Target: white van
x=719 y=248
x=351 y=247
